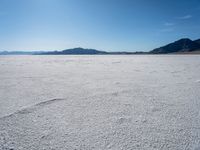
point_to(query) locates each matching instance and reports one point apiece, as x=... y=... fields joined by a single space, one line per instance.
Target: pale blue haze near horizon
x=110 y=25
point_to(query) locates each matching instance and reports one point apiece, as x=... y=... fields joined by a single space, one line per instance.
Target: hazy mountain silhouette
x=75 y=51
x=82 y=51
x=182 y=45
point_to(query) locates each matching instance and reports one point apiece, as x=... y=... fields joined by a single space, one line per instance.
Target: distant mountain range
x=78 y=51
x=181 y=46
x=82 y=51
x=73 y=51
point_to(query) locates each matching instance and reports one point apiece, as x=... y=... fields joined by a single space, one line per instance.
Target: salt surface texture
x=100 y=102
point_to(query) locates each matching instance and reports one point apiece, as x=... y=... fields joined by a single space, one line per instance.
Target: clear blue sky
x=112 y=25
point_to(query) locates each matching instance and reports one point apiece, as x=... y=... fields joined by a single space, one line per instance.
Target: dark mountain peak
x=75 y=49
x=182 y=45
x=184 y=39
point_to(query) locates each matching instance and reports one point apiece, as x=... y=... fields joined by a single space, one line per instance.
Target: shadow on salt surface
x=197 y=81
x=33 y=108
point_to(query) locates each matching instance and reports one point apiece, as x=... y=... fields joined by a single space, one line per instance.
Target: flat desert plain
x=101 y=102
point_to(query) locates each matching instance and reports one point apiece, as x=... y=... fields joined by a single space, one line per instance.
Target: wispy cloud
x=185 y=17
x=168 y=24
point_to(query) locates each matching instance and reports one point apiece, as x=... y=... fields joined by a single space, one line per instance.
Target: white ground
x=100 y=102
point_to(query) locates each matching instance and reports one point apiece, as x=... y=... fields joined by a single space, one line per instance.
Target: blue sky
x=112 y=25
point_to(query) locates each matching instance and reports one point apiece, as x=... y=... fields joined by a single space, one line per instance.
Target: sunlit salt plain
x=100 y=102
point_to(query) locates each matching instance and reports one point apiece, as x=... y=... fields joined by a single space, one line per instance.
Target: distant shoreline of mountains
x=182 y=46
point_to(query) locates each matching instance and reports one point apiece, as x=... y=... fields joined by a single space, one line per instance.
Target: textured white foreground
x=100 y=102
